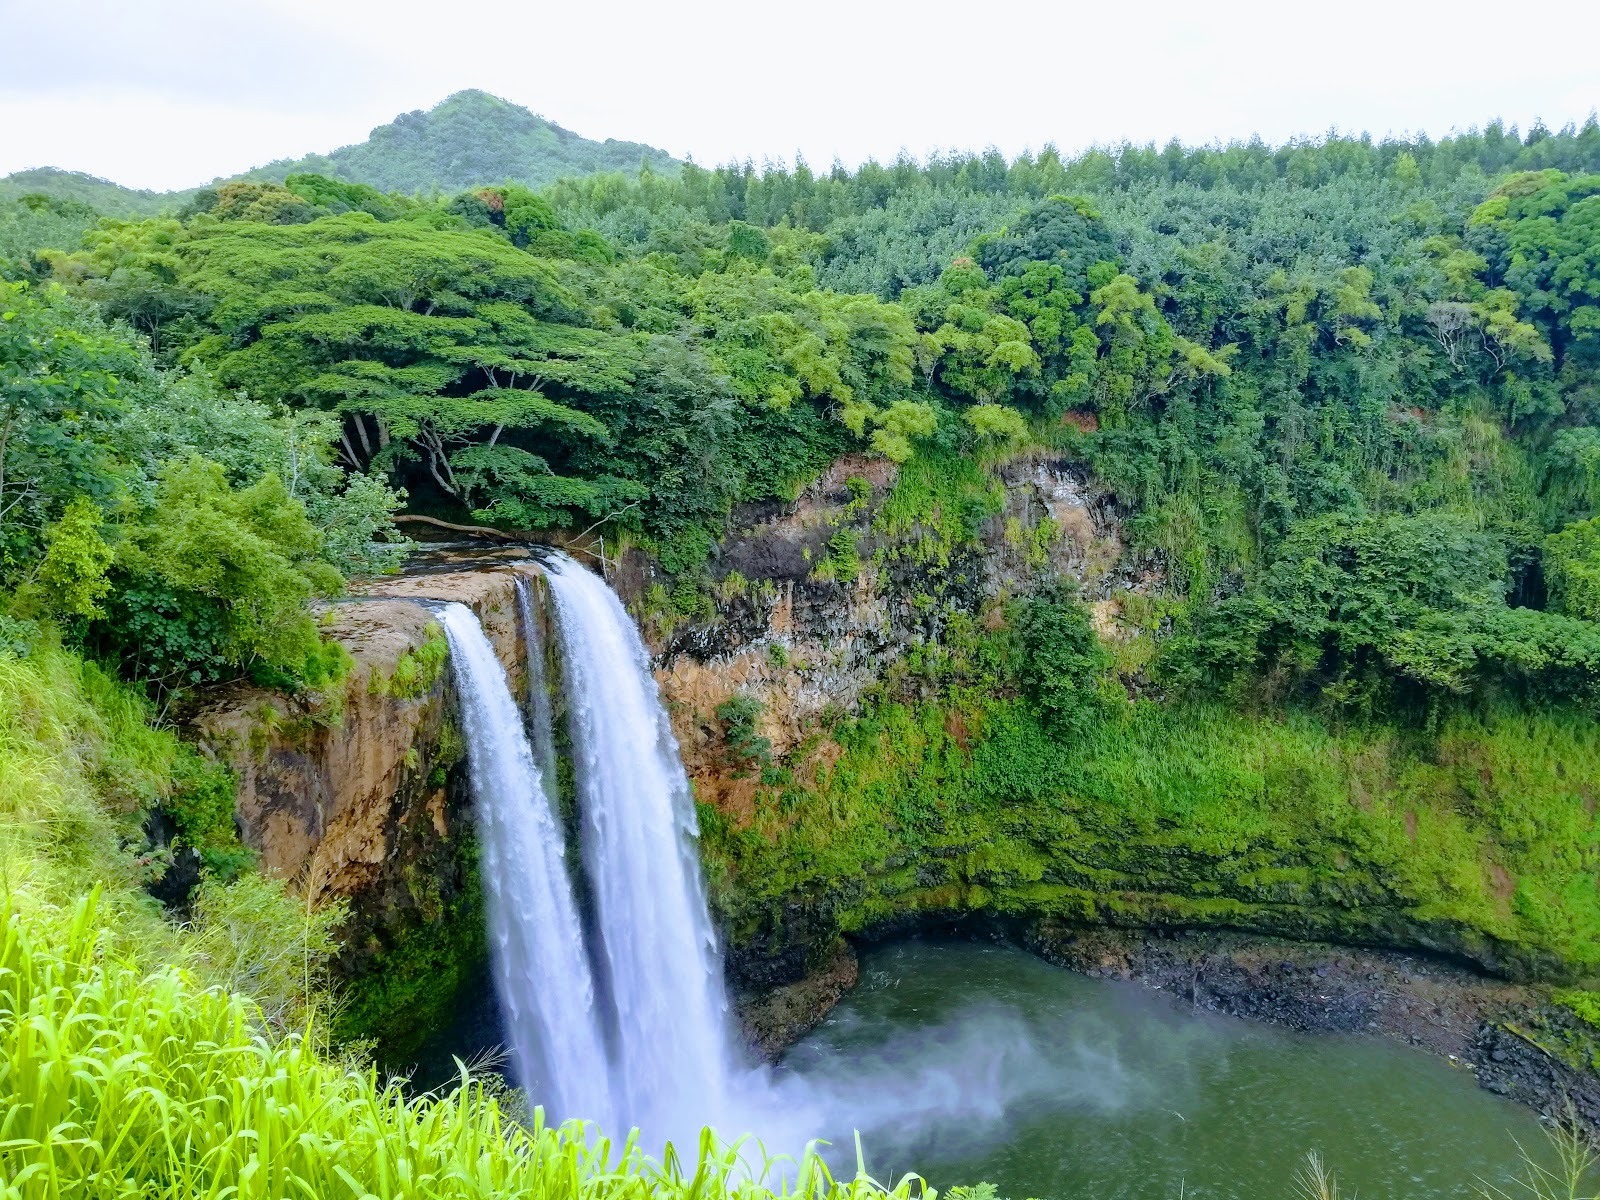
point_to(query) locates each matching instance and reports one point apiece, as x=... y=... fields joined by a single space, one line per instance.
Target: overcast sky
x=171 y=93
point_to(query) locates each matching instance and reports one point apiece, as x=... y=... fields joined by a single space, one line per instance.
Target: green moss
x=412 y=976
x=1584 y=1005
x=938 y=504
x=1477 y=840
x=1568 y=1030
x=450 y=749
x=416 y=670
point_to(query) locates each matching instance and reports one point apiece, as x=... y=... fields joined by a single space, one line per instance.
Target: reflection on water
x=973 y=1062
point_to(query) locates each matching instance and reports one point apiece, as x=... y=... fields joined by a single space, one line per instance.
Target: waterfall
x=541 y=968
x=541 y=725
x=620 y=1017
x=673 y=1060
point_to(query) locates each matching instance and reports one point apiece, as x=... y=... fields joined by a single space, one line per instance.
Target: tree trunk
x=349 y=450
x=474 y=530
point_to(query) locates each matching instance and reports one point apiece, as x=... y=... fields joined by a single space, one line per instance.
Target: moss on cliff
x=422 y=933
x=416 y=669
x=1478 y=841
x=959 y=785
x=417 y=963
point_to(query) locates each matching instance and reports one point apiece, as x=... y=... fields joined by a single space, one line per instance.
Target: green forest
x=1344 y=390
x=1344 y=395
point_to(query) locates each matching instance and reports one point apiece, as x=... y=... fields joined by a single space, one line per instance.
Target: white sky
x=171 y=93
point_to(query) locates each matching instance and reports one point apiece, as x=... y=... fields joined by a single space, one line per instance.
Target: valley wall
x=860 y=771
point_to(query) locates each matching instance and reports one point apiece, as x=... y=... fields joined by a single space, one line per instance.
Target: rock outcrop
x=359 y=796
x=802 y=638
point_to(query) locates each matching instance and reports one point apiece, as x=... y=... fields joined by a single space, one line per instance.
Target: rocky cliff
x=812 y=608
x=360 y=795
x=812 y=604
x=845 y=685
x=864 y=765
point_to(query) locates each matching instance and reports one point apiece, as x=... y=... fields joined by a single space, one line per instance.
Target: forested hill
x=81 y=188
x=469 y=138
x=1345 y=391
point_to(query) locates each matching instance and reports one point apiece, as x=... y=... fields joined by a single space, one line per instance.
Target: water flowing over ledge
x=659 y=951
x=542 y=971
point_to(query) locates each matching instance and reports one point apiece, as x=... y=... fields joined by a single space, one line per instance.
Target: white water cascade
x=673 y=1055
x=541 y=968
x=643 y=1038
x=541 y=731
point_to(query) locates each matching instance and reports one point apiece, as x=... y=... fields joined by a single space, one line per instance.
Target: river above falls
x=1046 y=1083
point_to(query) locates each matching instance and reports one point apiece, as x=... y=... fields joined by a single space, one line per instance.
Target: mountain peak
x=472 y=137
x=469 y=138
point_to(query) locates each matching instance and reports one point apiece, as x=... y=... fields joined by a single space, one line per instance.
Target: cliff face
x=818 y=605
x=862 y=766
x=803 y=632
x=362 y=796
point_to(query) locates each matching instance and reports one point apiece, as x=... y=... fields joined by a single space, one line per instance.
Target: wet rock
x=361 y=796
x=1434 y=1005
x=776 y=1018
x=1529 y=1060
x=324 y=785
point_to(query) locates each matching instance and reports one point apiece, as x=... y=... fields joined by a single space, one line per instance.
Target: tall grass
x=1573 y=1174
x=115 y=1082
x=1314 y=1181
x=82 y=761
x=79 y=763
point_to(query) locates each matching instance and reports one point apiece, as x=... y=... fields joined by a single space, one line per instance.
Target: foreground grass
x=143 y=1058
x=83 y=763
x=115 y=1082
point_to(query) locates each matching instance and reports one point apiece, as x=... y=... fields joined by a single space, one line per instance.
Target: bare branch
x=609 y=517
x=474 y=530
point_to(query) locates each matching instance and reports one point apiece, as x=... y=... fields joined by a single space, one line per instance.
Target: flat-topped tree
x=435 y=346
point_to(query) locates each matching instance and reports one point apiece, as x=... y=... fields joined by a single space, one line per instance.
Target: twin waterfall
x=541 y=965
x=622 y=1018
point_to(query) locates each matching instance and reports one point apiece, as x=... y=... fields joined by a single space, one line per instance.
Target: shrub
x=1064 y=661
x=201 y=807
x=73 y=573
x=1572 y=569
x=738 y=715
x=217 y=581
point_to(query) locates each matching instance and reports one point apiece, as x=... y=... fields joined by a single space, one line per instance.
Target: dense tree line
x=1345 y=389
